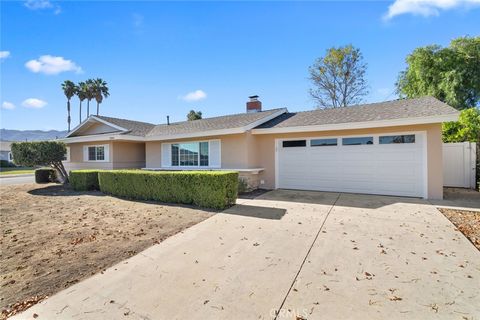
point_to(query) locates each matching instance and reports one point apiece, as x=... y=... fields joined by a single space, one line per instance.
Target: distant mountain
x=30 y=135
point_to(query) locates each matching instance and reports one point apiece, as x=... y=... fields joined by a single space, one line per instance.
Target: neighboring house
x=391 y=148
x=6 y=151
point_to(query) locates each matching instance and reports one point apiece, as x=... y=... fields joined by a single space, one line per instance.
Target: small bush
x=208 y=189
x=6 y=164
x=242 y=185
x=84 y=180
x=45 y=175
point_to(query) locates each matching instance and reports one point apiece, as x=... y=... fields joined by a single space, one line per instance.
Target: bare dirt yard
x=53 y=237
x=467 y=222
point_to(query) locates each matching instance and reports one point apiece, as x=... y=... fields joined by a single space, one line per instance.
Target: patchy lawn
x=468 y=222
x=53 y=237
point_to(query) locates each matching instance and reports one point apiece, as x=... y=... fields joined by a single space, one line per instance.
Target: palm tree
x=68 y=88
x=89 y=94
x=100 y=91
x=81 y=92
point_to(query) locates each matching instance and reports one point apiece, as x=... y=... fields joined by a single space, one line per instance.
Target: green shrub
x=242 y=185
x=6 y=164
x=83 y=180
x=209 y=189
x=45 y=175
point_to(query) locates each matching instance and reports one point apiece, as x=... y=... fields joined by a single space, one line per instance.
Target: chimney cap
x=253 y=98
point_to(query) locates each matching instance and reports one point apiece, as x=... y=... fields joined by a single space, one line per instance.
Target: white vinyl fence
x=459 y=164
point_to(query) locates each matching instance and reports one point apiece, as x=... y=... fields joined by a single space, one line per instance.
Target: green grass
x=16 y=170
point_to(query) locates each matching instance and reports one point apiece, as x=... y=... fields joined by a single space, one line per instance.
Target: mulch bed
x=467 y=222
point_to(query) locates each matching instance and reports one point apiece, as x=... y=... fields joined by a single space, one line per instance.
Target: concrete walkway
x=310 y=255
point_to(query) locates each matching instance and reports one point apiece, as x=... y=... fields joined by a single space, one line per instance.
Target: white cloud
x=34 y=103
x=52 y=65
x=425 y=7
x=8 y=105
x=4 y=54
x=38 y=4
x=196 y=95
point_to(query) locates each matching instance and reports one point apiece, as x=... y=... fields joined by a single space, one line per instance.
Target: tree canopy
x=450 y=74
x=339 y=78
x=194 y=115
x=43 y=153
x=467 y=128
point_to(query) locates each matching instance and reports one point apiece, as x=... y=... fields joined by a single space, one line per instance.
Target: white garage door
x=390 y=164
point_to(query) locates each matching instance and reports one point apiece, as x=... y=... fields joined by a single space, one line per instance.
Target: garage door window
x=408 y=138
x=356 y=141
x=323 y=142
x=294 y=143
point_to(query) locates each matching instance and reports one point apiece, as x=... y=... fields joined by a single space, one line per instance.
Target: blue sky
x=153 y=54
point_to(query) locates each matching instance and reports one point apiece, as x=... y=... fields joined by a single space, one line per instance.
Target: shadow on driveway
x=256 y=212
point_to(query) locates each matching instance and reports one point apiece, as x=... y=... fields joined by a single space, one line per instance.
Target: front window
x=66 y=156
x=96 y=153
x=10 y=157
x=190 y=154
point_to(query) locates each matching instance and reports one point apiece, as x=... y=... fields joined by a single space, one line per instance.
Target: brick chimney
x=254 y=105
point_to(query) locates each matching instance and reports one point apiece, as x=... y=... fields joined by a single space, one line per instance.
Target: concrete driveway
x=292 y=255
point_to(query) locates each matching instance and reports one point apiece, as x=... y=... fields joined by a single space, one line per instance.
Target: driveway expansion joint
x=306 y=256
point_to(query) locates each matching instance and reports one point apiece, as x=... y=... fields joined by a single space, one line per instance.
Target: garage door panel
x=391 y=169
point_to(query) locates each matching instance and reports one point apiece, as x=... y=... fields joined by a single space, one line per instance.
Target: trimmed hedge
x=45 y=175
x=84 y=180
x=208 y=189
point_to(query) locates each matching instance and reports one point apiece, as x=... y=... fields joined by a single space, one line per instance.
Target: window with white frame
x=96 y=153
x=66 y=156
x=190 y=154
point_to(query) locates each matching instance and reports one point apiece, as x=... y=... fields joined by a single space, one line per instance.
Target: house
x=6 y=151
x=390 y=148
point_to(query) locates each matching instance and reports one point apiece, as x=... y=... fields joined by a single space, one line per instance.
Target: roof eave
x=220 y=132
x=102 y=137
x=94 y=118
x=360 y=125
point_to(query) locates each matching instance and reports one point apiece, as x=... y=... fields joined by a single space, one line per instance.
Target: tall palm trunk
x=68 y=119
x=80 y=111
x=88 y=108
x=98 y=107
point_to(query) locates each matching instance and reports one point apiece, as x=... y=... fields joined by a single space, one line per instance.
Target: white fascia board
x=109 y=137
x=221 y=132
x=360 y=125
x=93 y=119
x=209 y=133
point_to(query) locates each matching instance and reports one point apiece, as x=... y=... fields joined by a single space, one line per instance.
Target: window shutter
x=215 y=157
x=107 y=152
x=166 y=155
x=85 y=153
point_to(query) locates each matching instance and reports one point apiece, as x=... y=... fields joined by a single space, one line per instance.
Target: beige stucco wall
x=95 y=128
x=121 y=155
x=128 y=155
x=242 y=151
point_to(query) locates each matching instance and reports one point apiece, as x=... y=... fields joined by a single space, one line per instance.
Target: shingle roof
x=216 y=123
x=389 y=110
x=135 y=128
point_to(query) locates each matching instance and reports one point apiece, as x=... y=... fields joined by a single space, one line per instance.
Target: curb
x=16 y=175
